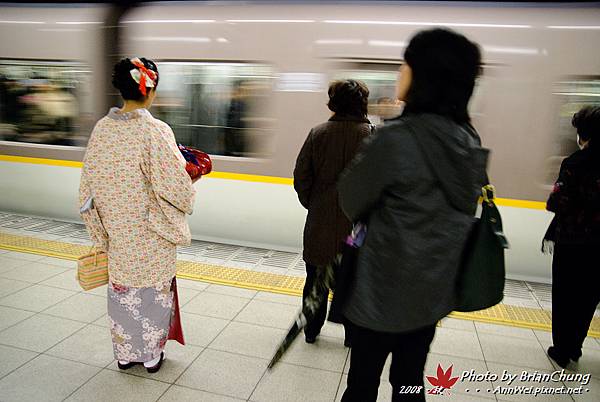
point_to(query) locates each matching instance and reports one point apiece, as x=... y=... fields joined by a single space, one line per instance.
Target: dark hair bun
x=348 y=97
x=124 y=82
x=587 y=122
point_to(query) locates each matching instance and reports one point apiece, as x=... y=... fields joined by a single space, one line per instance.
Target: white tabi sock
x=153 y=362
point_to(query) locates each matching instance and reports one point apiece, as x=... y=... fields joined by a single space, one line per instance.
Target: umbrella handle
x=301 y=321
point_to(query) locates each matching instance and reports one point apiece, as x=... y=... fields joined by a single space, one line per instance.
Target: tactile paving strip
x=516 y=316
x=500 y=314
x=50 y=248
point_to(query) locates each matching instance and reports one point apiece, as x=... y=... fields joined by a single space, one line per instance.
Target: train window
x=220 y=108
x=572 y=94
x=44 y=102
x=381 y=81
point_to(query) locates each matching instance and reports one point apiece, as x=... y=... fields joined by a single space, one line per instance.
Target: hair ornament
x=142 y=75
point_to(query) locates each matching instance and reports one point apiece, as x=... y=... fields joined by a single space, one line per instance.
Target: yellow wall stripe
x=212 y=175
x=251 y=178
x=505 y=202
x=40 y=161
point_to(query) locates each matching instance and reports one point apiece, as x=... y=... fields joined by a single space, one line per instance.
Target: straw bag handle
x=96 y=252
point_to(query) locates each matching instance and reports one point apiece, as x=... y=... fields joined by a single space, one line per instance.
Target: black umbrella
x=341 y=270
x=323 y=282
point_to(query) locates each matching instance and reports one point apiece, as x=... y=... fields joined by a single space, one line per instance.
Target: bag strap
x=488 y=194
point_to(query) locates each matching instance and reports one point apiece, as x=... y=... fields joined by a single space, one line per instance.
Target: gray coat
x=416 y=185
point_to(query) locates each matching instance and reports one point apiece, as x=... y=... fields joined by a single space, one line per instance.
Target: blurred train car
x=247 y=82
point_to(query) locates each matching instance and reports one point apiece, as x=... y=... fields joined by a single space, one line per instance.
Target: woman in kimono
x=134 y=196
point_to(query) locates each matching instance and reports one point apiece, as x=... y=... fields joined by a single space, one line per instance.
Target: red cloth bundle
x=175 y=330
x=198 y=162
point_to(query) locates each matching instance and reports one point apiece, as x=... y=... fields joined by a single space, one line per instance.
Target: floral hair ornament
x=142 y=75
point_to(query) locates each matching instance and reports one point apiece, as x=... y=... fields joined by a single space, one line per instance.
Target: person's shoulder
x=158 y=123
x=103 y=121
x=576 y=158
x=159 y=127
x=397 y=130
x=319 y=133
x=102 y=124
x=161 y=124
x=101 y=132
x=322 y=128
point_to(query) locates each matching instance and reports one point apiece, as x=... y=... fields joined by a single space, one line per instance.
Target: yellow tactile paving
x=501 y=314
x=511 y=315
x=240 y=277
x=50 y=248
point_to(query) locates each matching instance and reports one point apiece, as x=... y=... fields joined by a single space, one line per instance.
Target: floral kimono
x=134 y=178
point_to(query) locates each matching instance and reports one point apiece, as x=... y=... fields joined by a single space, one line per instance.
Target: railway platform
x=237 y=303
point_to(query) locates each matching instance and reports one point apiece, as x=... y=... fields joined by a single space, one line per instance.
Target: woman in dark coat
x=415 y=185
x=575 y=201
x=327 y=150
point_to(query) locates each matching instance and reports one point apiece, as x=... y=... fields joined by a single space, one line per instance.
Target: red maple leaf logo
x=442 y=382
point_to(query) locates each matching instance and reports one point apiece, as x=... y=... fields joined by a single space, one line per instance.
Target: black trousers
x=313 y=328
x=370 y=350
x=575 y=296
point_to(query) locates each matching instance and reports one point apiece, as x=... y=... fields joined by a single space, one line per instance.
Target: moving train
x=246 y=82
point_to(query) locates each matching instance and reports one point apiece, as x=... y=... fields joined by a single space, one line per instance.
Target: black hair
x=587 y=123
x=349 y=98
x=124 y=82
x=444 y=65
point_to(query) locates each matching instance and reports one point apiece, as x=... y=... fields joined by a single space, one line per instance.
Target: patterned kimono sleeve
x=90 y=215
x=168 y=177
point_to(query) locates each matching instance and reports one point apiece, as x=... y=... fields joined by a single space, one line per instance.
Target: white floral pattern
x=122 y=348
x=140 y=319
x=152 y=336
x=163 y=296
x=131 y=301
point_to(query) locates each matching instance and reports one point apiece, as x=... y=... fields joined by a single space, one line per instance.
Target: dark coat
x=327 y=150
x=575 y=200
x=416 y=186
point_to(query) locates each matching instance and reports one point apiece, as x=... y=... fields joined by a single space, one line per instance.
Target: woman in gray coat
x=415 y=185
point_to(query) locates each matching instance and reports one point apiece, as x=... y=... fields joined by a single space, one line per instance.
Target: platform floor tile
x=55 y=342
x=525 y=305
